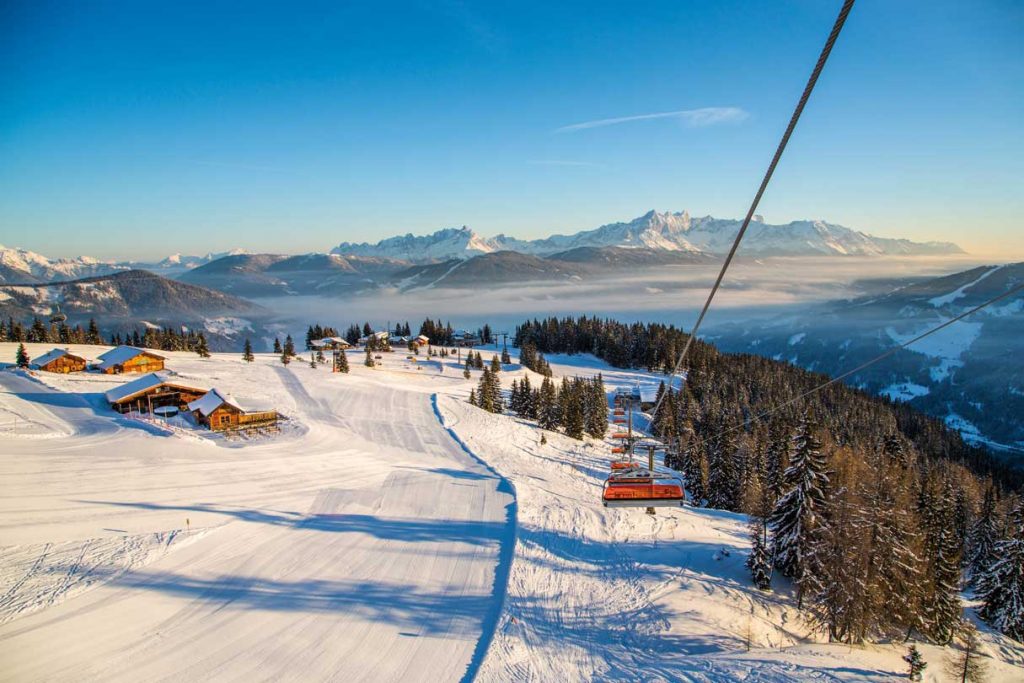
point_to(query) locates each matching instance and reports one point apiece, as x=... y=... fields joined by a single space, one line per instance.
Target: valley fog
x=673 y=295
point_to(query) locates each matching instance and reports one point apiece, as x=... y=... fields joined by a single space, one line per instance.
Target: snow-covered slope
x=390 y=532
x=660 y=231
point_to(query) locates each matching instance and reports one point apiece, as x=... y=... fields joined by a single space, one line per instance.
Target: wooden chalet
x=59 y=360
x=152 y=391
x=125 y=359
x=331 y=344
x=221 y=412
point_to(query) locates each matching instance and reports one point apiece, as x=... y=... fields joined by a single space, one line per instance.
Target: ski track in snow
x=391 y=532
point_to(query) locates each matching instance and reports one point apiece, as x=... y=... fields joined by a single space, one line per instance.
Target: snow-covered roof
x=122 y=354
x=424 y=337
x=137 y=386
x=53 y=355
x=327 y=341
x=215 y=398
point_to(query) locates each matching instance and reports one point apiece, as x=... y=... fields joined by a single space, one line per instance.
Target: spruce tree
x=547 y=405
x=797 y=519
x=285 y=358
x=505 y=358
x=247 y=352
x=466 y=373
x=277 y=345
x=472 y=397
x=1002 y=589
x=983 y=538
x=941 y=599
x=21 y=358
x=342 y=361
x=485 y=396
x=368 y=362
x=92 y=336
x=289 y=346
x=201 y=348
x=495 y=364
x=759 y=562
x=915 y=664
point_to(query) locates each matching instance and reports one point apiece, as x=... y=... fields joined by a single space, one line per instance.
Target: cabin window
x=224 y=419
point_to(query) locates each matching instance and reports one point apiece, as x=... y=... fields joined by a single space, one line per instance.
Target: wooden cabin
x=59 y=360
x=129 y=359
x=220 y=412
x=331 y=344
x=152 y=391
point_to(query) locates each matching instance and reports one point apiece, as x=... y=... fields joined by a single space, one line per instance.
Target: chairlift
x=58 y=316
x=620 y=435
x=639 y=487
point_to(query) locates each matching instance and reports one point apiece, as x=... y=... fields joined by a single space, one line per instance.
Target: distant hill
x=969 y=374
x=269 y=275
x=131 y=300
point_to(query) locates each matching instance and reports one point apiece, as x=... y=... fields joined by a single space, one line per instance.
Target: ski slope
x=391 y=532
x=367 y=545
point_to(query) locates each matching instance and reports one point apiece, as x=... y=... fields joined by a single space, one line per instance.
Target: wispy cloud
x=561 y=162
x=693 y=118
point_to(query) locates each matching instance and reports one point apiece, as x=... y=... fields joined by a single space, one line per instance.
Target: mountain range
x=655 y=231
x=459 y=257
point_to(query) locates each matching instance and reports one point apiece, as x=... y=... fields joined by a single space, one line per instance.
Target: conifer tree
x=320 y=356
x=797 y=519
x=289 y=346
x=759 y=562
x=368 y=361
x=247 y=351
x=1002 y=589
x=485 y=395
x=983 y=538
x=92 y=335
x=696 y=473
x=285 y=358
x=547 y=405
x=21 y=358
x=472 y=397
x=722 y=488
x=505 y=358
x=341 y=361
x=941 y=598
x=466 y=373
x=201 y=348
x=277 y=345
x=495 y=364
x=915 y=664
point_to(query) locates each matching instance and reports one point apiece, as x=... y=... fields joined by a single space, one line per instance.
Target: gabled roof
x=142 y=384
x=53 y=355
x=326 y=341
x=121 y=354
x=215 y=398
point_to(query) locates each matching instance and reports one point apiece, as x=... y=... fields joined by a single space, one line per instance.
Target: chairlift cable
x=822 y=58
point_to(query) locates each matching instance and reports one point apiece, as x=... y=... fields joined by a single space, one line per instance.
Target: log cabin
x=59 y=360
x=125 y=359
x=152 y=391
x=220 y=412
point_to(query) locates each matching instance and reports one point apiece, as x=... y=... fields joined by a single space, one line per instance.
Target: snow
x=904 y=391
x=394 y=533
x=49 y=357
x=950 y=342
x=797 y=338
x=960 y=292
x=120 y=355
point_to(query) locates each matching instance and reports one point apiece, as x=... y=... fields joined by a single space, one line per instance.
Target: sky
x=133 y=130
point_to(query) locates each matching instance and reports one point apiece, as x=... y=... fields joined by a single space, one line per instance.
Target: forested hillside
x=876 y=512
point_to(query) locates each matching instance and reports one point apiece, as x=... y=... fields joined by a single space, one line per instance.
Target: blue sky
x=137 y=129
